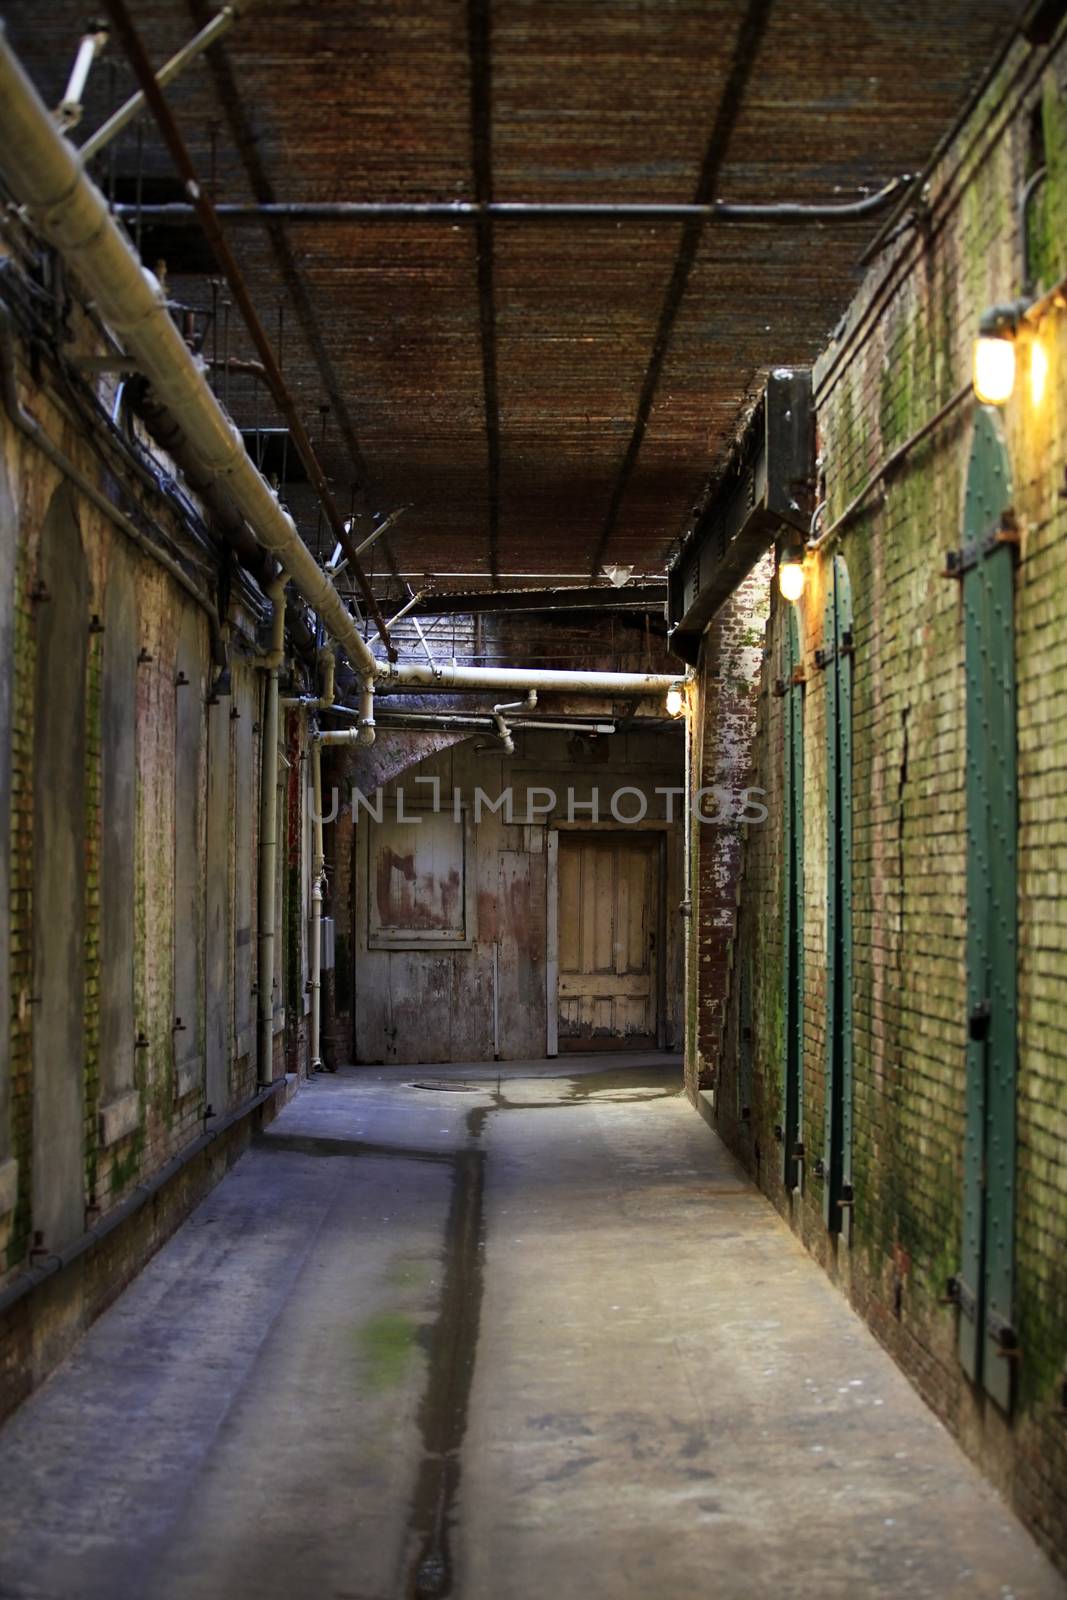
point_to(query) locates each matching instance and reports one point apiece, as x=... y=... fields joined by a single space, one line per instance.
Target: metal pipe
x=208 y=219
x=383 y=527
x=324 y=700
x=318 y=864
x=404 y=609
x=268 y=836
x=455 y=211
x=447 y=676
x=69 y=110
x=219 y=25
x=42 y=170
x=527 y=703
x=365 y=732
x=496 y=1000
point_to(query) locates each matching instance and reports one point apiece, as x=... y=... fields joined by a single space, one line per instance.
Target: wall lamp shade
x=676 y=699
x=791 y=575
x=994 y=354
x=994 y=369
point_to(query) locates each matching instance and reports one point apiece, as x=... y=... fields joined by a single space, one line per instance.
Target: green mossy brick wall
x=902 y=353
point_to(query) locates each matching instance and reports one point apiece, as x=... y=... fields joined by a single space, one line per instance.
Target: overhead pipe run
x=447 y=676
x=781 y=212
x=44 y=173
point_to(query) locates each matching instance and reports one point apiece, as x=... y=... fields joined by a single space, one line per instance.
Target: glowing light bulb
x=994 y=369
x=791 y=578
x=1038 y=372
x=675 y=700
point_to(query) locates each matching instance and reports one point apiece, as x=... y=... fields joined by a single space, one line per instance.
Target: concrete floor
x=448 y=1332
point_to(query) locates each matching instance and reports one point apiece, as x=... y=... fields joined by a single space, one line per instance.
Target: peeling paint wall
x=491 y=888
x=106 y=936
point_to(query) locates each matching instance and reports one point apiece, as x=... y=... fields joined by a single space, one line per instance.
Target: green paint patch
x=384 y=1343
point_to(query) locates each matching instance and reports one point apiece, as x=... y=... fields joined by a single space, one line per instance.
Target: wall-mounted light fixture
x=791 y=573
x=676 y=698
x=994 y=353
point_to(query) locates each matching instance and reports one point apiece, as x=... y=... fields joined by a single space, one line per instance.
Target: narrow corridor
x=484 y=1333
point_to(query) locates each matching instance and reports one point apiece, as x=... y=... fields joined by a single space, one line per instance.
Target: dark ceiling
x=546 y=397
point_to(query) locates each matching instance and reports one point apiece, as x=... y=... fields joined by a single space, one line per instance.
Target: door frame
x=655 y=826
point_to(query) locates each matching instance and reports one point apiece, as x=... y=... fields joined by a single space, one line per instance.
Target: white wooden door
x=608 y=918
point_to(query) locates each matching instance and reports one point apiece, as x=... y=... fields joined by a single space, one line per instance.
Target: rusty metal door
x=608 y=926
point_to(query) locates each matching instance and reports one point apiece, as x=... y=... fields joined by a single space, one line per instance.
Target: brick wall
x=165 y=1125
x=722 y=729
x=902 y=354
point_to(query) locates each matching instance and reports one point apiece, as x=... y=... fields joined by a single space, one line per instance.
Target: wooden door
x=608 y=923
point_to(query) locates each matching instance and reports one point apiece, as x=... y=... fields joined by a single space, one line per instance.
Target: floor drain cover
x=449 y=1088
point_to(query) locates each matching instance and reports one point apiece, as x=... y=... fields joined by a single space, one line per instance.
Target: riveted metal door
x=836 y=658
x=792 y=1124
x=986 y=562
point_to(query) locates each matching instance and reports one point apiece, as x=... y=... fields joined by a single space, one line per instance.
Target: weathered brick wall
x=903 y=353
x=723 y=726
x=165 y=1125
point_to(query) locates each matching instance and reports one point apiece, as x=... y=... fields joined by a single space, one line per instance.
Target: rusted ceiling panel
x=590 y=99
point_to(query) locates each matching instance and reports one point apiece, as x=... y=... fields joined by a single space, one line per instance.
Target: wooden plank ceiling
x=546 y=397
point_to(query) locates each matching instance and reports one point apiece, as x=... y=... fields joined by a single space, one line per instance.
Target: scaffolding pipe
x=43 y=172
x=219 y=25
x=268 y=836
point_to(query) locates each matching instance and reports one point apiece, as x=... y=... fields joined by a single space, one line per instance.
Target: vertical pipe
x=268 y=837
x=317 y=876
x=496 y=1001
x=689 y=998
x=366 y=712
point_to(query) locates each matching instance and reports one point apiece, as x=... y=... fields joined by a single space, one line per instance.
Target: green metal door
x=836 y=658
x=792 y=1124
x=986 y=563
x=744 y=1035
